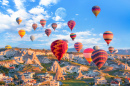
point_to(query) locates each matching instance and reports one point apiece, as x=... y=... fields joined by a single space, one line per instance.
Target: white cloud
x=57 y=18
x=19 y=4
x=76 y=14
x=38 y=10
x=32 y=0
x=48 y=2
x=100 y=34
x=94 y=34
x=5 y=2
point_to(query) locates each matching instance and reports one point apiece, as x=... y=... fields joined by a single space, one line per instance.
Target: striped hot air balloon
x=32 y=37
x=115 y=51
x=22 y=32
x=96 y=10
x=96 y=47
x=48 y=32
x=87 y=54
x=99 y=57
x=18 y=20
x=73 y=36
x=43 y=22
x=34 y=26
x=78 y=46
x=71 y=24
x=108 y=36
x=54 y=26
x=59 y=48
x=111 y=49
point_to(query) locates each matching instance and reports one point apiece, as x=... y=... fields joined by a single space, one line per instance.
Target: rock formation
x=59 y=75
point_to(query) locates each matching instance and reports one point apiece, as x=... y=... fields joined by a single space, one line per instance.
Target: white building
x=54 y=83
x=100 y=80
x=6 y=79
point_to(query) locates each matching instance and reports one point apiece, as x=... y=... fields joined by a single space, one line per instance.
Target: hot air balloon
x=96 y=10
x=108 y=36
x=71 y=24
x=73 y=36
x=99 y=57
x=43 y=22
x=59 y=48
x=34 y=26
x=32 y=37
x=48 y=32
x=111 y=49
x=65 y=40
x=54 y=26
x=87 y=54
x=115 y=51
x=78 y=46
x=22 y=32
x=96 y=47
x=18 y=20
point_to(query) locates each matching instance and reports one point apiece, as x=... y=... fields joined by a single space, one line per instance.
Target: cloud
x=76 y=14
x=57 y=18
x=32 y=0
x=5 y=2
x=19 y=4
x=48 y=2
x=38 y=10
x=100 y=34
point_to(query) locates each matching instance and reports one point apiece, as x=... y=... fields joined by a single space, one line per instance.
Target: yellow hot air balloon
x=22 y=32
x=8 y=47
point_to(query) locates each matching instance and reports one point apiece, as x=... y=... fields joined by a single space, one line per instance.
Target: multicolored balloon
x=111 y=49
x=18 y=20
x=115 y=51
x=59 y=48
x=48 y=32
x=99 y=57
x=96 y=10
x=96 y=47
x=87 y=54
x=32 y=37
x=34 y=26
x=43 y=22
x=108 y=36
x=78 y=46
x=71 y=24
x=54 y=26
x=22 y=33
x=73 y=36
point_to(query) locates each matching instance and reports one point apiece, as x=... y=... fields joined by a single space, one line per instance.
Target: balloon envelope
x=87 y=54
x=54 y=26
x=96 y=10
x=115 y=51
x=99 y=57
x=18 y=20
x=59 y=48
x=32 y=37
x=111 y=49
x=78 y=46
x=73 y=36
x=96 y=47
x=108 y=36
x=48 y=32
x=22 y=32
x=43 y=22
x=71 y=24
x=34 y=26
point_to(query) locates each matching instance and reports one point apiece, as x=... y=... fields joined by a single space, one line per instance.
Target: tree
x=2 y=83
x=11 y=84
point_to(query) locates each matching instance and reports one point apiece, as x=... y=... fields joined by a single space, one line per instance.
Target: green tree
x=11 y=84
x=2 y=83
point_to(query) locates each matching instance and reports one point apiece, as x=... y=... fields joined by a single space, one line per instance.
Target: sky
x=114 y=17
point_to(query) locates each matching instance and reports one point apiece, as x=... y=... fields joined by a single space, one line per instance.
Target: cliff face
x=55 y=66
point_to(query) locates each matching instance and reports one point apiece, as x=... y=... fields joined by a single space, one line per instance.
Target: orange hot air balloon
x=48 y=32
x=78 y=46
x=108 y=36
x=59 y=48
x=18 y=20
x=96 y=10
x=22 y=32
x=87 y=54
x=43 y=22
x=54 y=26
x=111 y=49
x=34 y=26
x=71 y=24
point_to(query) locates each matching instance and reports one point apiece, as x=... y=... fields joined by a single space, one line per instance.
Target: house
x=127 y=80
x=11 y=69
x=54 y=83
x=100 y=80
x=92 y=74
x=46 y=77
x=27 y=75
x=115 y=83
x=6 y=79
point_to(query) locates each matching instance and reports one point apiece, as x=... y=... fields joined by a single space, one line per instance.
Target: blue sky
x=114 y=17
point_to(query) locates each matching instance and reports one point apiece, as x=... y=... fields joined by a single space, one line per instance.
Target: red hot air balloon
x=108 y=36
x=73 y=36
x=96 y=10
x=54 y=26
x=71 y=24
x=78 y=46
x=99 y=57
x=43 y=22
x=34 y=26
x=87 y=54
x=59 y=48
x=111 y=49
x=48 y=32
